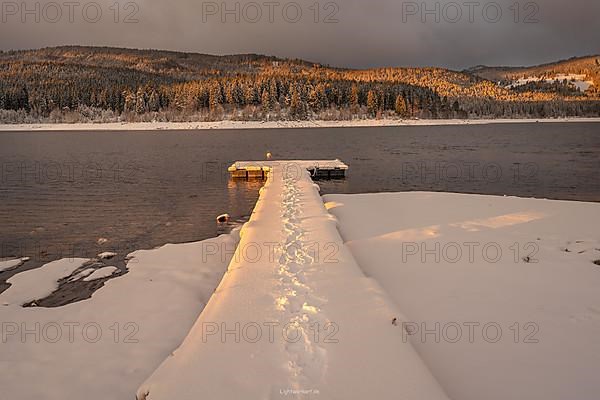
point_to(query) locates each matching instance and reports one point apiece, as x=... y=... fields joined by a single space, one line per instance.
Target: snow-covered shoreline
x=148 y=126
x=501 y=293
x=106 y=346
x=419 y=308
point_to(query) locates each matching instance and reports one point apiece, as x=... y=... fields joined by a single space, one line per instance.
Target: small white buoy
x=221 y=219
x=269 y=155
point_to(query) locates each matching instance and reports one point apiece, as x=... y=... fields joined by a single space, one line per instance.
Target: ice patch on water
x=100 y=273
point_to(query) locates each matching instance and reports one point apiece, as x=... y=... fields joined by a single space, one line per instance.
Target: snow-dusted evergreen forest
x=98 y=84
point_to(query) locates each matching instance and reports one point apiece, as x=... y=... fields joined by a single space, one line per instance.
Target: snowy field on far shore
x=104 y=347
x=147 y=126
x=500 y=294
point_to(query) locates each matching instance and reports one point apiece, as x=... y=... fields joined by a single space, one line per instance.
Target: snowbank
x=38 y=283
x=530 y=276
x=146 y=126
x=100 y=273
x=294 y=317
x=81 y=274
x=104 y=347
x=7 y=265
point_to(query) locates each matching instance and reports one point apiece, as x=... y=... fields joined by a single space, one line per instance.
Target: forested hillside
x=71 y=84
x=549 y=77
x=576 y=65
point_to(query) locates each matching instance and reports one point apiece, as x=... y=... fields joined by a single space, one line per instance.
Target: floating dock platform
x=319 y=169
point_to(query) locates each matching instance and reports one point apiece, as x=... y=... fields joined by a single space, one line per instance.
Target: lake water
x=80 y=193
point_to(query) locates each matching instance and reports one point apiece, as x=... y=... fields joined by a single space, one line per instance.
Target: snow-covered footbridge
x=294 y=316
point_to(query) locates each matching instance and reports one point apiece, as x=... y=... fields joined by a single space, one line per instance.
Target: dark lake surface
x=80 y=193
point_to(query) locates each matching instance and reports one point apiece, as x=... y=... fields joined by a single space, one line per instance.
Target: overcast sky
x=345 y=33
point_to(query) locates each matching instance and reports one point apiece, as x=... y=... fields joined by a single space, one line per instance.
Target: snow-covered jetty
x=294 y=316
x=316 y=168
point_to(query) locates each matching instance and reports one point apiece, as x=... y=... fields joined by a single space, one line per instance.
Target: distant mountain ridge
x=174 y=63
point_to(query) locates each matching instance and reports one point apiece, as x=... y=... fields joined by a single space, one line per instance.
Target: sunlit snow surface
x=104 y=347
x=7 y=265
x=531 y=264
x=332 y=335
x=100 y=273
x=402 y=260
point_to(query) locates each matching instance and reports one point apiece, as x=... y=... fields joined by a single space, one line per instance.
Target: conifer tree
x=153 y=101
x=130 y=102
x=215 y=98
x=140 y=101
x=372 y=103
x=401 y=108
x=265 y=102
x=297 y=104
x=273 y=95
x=354 y=98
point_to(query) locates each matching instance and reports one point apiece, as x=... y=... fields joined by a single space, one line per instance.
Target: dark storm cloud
x=352 y=33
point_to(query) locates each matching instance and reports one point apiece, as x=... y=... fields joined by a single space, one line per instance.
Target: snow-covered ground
x=578 y=80
x=39 y=283
x=100 y=273
x=104 y=347
x=294 y=317
x=511 y=284
x=384 y=296
x=6 y=265
x=146 y=126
